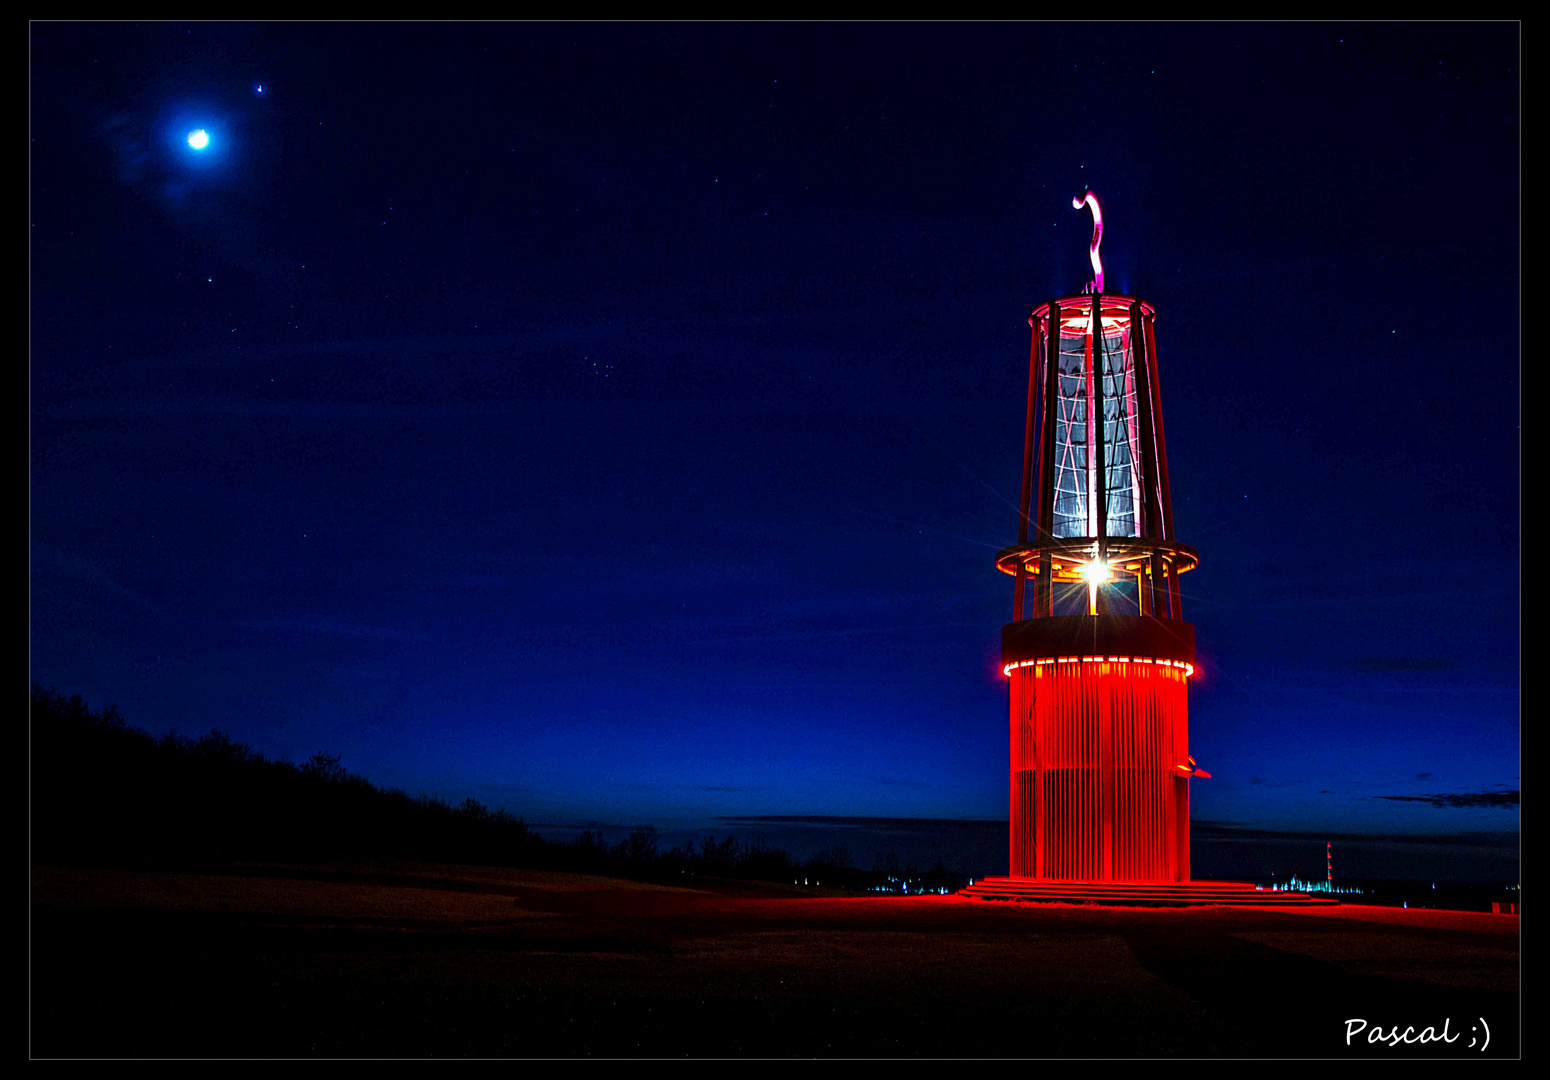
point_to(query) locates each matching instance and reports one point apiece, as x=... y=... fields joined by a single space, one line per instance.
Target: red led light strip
x=1187 y=669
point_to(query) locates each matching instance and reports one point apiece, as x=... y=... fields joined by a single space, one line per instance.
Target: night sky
x=617 y=423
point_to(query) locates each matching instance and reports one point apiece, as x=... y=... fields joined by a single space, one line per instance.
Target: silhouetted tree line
x=105 y=793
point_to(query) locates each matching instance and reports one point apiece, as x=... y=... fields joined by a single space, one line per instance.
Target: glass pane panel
x=1075 y=508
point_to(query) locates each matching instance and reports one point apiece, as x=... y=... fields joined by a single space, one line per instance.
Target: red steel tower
x=1098 y=652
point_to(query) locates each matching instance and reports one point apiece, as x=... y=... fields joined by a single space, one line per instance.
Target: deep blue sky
x=617 y=423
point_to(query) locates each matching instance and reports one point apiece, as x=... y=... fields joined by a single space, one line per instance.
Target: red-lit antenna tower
x=1098 y=652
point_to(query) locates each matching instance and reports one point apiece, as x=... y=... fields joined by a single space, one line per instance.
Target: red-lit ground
x=418 y=960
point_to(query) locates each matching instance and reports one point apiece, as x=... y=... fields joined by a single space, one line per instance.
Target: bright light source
x=1096 y=572
x=198 y=139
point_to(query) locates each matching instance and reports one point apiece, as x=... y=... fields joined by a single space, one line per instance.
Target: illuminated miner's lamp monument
x=1098 y=652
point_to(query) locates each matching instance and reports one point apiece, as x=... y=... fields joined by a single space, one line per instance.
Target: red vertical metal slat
x=1026 y=769
x=1063 y=776
x=1083 y=816
x=1138 y=837
x=1183 y=723
x=1019 y=780
x=1095 y=784
x=1134 y=834
x=1138 y=870
x=1051 y=741
x=1104 y=730
x=1157 y=779
x=1165 y=787
x=1138 y=764
x=1089 y=833
x=1085 y=835
x=1056 y=816
x=1119 y=732
x=1118 y=864
x=1170 y=759
x=1118 y=708
x=1062 y=779
x=1023 y=826
x=1011 y=779
x=1133 y=763
x=1140 y=834
x=1095 y=773
x=1040 y=692
x=1025 y=764
x=1160 y=777
x=1183 y=826
x=1068 y=777
x=1144 y=871
x=1144 y=779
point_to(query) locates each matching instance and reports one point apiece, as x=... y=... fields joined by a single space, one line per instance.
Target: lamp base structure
x=1100 y=763
x=1101 y=768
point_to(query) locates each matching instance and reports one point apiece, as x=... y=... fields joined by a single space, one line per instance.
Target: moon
x=198 y=138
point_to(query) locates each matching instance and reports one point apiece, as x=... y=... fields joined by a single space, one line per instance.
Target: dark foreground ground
x=414 y=960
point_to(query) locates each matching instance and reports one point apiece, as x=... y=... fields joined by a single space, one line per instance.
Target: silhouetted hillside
x=107 y=794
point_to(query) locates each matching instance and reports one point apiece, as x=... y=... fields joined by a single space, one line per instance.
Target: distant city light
x=1325 y=886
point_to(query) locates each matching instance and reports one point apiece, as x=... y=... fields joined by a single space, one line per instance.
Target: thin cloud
x=1376 y=664
x=1505 y=800
x=50 y=560
x=307 y=625
x=1202 y=830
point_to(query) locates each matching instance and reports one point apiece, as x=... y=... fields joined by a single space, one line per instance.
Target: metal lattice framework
x=1095 y=503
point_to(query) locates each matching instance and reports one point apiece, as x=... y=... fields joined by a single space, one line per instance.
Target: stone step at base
x=1140 y=894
